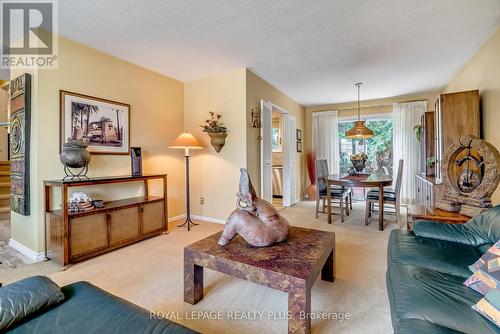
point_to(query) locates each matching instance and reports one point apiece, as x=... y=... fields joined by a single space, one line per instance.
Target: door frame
x=289 y=156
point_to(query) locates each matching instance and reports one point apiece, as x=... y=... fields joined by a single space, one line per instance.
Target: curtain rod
x=377 y=105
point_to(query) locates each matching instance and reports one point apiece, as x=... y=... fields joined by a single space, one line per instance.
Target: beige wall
x=215 y=176
x=257 y=90
x=156 y=119
x=482 y=72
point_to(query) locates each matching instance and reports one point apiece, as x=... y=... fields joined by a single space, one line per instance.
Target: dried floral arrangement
x=213 y=124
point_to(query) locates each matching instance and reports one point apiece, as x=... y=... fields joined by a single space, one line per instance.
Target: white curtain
x=325 y=138
x=406 y=146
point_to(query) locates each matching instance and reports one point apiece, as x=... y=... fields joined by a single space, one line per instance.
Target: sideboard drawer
x=153 y=217
x=124 y=225
x=88 y=234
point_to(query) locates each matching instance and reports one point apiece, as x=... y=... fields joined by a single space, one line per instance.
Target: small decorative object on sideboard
x=75 y=156
x=470 y=171
x=216 y=131
x=255 y=219
x=80 y=202
x=358 y=161
x=136 y=161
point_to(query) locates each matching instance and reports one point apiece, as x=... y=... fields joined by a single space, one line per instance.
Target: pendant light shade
x=359 y=130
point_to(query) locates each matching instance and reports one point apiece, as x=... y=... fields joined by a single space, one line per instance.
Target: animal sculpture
x=255 y=219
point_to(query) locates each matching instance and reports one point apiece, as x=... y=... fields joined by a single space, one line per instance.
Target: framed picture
x=103 y=124
x=299 y=146
x=299 y=135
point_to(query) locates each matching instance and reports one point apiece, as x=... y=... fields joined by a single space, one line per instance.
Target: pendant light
x=359 y=130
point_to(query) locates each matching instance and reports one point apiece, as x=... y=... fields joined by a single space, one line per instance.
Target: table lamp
x=186 y=141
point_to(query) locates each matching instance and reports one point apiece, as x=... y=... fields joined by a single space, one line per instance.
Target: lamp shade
x=359 y=130
x=186 y=140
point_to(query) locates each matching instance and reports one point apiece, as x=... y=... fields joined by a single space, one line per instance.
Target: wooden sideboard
x=76 y=236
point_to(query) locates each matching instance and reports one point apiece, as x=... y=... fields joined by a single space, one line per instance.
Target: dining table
x=377 y=180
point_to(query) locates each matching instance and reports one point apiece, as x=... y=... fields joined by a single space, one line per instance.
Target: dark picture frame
x=299 y=146
x=299 y=135
x=103 y=124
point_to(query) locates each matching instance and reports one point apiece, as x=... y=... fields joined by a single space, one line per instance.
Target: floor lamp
x=186 y=141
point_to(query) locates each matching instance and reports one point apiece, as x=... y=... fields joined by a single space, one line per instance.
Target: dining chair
x=342 y=194
x=391 y=196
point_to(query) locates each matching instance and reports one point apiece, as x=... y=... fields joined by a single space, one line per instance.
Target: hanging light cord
x=358 y=85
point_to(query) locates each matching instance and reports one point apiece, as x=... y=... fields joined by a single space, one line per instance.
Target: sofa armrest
x=459 y=233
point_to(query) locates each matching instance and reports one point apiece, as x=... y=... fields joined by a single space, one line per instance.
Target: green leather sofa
x=425 y=275
x=37 y=305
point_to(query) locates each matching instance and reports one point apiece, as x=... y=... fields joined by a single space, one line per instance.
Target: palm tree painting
x=102 y=124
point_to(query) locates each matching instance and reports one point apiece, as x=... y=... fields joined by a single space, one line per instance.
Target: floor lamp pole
x=188 y=221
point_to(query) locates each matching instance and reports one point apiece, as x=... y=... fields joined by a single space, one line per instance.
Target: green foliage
x=378 y=147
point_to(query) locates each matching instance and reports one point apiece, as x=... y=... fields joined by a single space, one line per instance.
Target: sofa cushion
x=478 y=231
x=24 y=298
x=434 y=254
x=89 y=309
x=429 y=295
x=417 y=326
x=489 y=306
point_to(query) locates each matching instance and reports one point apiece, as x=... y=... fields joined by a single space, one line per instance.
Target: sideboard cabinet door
x=153 y=219
x=124 y=225
x=88 y=234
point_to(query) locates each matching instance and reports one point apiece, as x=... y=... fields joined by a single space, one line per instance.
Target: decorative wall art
x=103 y=124
x=299 y=135
x=20 y=118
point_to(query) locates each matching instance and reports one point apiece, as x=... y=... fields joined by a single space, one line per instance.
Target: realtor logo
x=29 y=34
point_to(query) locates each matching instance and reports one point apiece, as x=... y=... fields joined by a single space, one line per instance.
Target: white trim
x=30 y=254
x=203 y=218
x=175 y=218
x=209 y=219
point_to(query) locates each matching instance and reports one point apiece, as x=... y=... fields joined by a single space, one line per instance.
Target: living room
x=141 y=157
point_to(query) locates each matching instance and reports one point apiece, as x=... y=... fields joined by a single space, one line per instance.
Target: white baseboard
x=33 y=256
x=202 y=218
x=178 y=217
x=209 y=219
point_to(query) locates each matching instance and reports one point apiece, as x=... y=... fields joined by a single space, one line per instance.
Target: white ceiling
x=312 y=50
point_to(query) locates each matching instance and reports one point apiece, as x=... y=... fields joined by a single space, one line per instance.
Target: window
x=378 y=148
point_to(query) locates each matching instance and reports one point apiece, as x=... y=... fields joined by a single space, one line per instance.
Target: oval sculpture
x=255 y=219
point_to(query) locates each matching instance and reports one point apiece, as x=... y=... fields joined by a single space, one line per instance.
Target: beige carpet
x=150 y=274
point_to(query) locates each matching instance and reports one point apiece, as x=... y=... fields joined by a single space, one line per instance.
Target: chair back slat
x=399 y=177
x=321 y=172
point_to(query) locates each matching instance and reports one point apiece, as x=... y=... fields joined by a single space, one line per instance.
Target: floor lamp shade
x=187 y=141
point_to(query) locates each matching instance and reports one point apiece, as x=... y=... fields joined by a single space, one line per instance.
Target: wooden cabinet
x=76 y=236
x=124 y=225
x=456 y=114
x=428 y=142
x=153 y=219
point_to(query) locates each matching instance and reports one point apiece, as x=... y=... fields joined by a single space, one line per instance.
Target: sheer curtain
x=406 y=146
x=325 y=138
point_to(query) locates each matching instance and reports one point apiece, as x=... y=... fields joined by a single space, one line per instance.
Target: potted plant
x=216 y=131
x=311 y=171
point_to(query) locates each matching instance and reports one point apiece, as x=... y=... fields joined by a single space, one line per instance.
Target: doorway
x=278 y=156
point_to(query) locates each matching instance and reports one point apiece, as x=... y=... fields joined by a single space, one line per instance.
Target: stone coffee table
x=291 y=266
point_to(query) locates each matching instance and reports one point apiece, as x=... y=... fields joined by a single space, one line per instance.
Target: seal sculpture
x=255 y=219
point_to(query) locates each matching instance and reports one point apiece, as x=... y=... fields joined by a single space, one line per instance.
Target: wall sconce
x=256 y=119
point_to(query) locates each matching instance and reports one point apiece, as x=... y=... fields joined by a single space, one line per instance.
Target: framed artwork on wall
x=299 y=135
x=299 y=146
x=103 y=124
